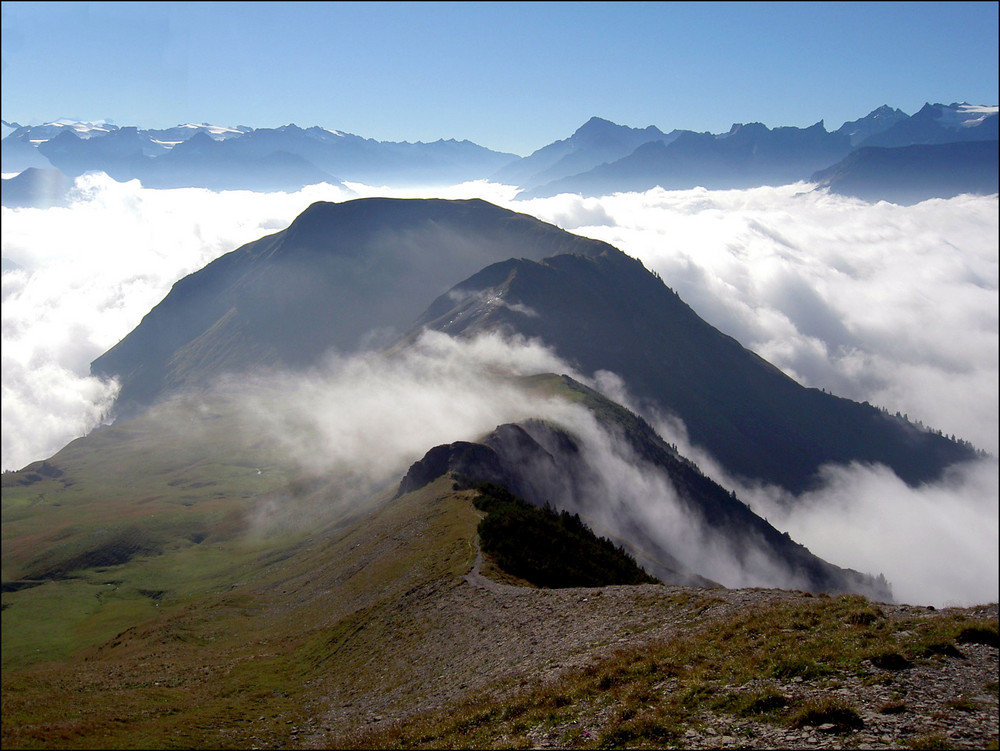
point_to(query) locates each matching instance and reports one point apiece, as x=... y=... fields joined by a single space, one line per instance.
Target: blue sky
x=509 y=76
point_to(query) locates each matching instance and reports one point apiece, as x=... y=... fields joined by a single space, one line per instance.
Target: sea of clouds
x=881 y=303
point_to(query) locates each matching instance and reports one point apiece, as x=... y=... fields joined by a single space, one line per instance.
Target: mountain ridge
x=545 y=463
x=376 y=625
x=599 y=157
x=338 y=273
x=611 y=314
x=751 y=154
x=907 y=175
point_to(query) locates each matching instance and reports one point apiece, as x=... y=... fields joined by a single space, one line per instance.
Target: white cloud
x=936 y=544
x=373 y=415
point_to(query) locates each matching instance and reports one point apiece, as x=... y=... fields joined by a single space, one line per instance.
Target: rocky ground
x=493 y=632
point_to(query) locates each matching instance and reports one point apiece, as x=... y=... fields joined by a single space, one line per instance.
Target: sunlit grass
x=222 y=644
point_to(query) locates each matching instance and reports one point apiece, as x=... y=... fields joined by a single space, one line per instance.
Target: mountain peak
x=877 y=121
x=199 y=143
x=592 y=310
x=598 y=127
x=746 y=129
x=598 y=122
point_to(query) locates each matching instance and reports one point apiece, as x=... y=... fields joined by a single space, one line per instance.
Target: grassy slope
x=125 y=522
x=303 y=622
x=153 y=597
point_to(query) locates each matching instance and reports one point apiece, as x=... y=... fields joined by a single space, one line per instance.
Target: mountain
x=200 y=161
x=940 y=123
x=876 y=121
x=910 y=174
x=206 y=162
x=341 y=276
x=47 y=131
x=747 y=156
x=18 y=153
x=167 y=138
x=543 y=463
x=370 y=161
x=118 y=153
x=36 y=188
x=595 y=142
x=607 y=312
x=241 y=158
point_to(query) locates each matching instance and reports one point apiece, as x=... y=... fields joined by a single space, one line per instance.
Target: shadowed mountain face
x=748 y=156
x=595 y=142
x=37 y=188
x=543 y=463
x=342 y=276
x=607 y=312
x=910 y=174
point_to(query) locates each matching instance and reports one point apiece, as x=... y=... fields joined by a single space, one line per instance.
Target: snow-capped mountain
x=170 y=137
x=46 y=131
x=963 y=114
x=876 y=121
x=941 y=123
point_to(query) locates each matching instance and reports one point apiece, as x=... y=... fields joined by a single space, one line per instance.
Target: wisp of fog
x=358 y=422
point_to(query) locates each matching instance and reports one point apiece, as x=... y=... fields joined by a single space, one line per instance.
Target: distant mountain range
x=751 y=154
x=376 y=273
x=205 y=156
x=601 y=157
x=595 y=143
